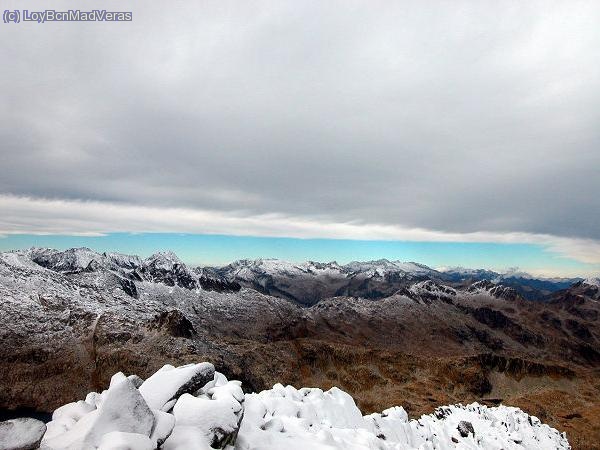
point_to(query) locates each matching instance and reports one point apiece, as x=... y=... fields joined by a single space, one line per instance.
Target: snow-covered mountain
x=74 y=318
x=428 y=291
x=305 y=283
x=592 y=281
x=526 y=285
x=579 y=293
x=309 y=282
x=163 y=267
x=193 y=407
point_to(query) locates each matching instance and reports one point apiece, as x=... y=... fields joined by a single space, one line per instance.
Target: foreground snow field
x=192 y=407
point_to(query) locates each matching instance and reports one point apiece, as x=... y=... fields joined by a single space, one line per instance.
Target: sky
x=217 y=250
x=429 y=131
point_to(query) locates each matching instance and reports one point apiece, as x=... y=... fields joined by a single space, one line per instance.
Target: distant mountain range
x=309 y=282
x=305 y=283
x=388 y=332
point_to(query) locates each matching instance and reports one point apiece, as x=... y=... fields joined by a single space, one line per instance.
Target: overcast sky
x=458 y=121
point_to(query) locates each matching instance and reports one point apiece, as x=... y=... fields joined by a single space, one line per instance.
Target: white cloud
x=27 y=215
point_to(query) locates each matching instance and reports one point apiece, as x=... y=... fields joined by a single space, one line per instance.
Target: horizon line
x=202 y=258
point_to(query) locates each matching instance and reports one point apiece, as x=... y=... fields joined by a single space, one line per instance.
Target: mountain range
x=309 y=282
x=387 y=332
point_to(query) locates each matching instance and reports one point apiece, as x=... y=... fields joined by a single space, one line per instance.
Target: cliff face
x=66 y=329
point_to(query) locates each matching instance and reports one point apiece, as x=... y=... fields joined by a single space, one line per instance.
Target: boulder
x=464 y=428
x=215 y=418
x=170 y=383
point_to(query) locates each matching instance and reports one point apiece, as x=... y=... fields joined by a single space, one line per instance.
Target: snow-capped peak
x=381 y=267
x=592 y=281
x=123 y=261
x=73 y=259
x=163 y=260
x=246 y=268
x=427 y=291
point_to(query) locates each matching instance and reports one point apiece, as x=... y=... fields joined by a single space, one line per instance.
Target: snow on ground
x=284 y=417
x=195 y=408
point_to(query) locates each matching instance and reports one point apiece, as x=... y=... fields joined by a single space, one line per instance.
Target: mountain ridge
x=418 y=342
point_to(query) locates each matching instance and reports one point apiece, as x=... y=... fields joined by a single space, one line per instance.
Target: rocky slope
x=69 y=320
x=193 y=407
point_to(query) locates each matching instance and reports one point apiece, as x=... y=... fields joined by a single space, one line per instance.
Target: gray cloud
x=453 y=116
x=92 y=218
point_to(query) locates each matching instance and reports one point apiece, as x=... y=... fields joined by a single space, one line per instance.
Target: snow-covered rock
x=21 y=434
x=71 y=260
x=121 y=419
x=170 y=383
x=215 y=416
x=123 y=410
x=167 y=268
x=495 y=290
x=218 y=414
x=310 y=418
x=73 y=411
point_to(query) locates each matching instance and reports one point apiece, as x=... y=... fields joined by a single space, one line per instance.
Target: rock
x=170 y=383
x=21 y=434
x=58 y=427
x=282 y=417
x=464 y=428
x=219 y=285
x=128 y=287
x=174 y=323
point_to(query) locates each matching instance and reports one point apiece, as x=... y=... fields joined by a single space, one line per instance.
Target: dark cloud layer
x=451 y=116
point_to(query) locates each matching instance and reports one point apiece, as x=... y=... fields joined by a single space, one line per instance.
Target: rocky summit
x=386 y=332
x=193 y=407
